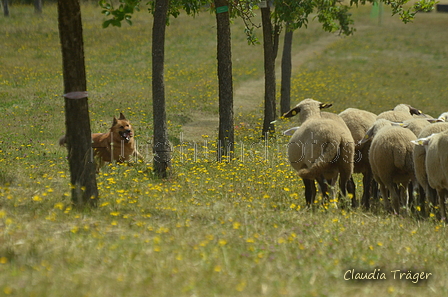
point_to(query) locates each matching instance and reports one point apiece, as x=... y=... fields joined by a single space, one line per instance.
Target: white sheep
x=320 y=149
x=416 y=125
x=390 y=157
x=358 y=122
x=442 y=118
x=436 y=159
x=419 y=157
x=400 y=113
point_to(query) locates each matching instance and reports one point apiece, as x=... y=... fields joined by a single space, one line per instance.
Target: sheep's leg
x=323 y=186
x=333 y=192
x=403 y=195
x=343 y=184
x=344 y=177
x=395 y=197
x=310 y=191
x=432 y=195
x=367 y=184
x=421 y=200
x=406 y=197
x=385 y=194
x=374 y=190
x=410 y=197
x=351 y=189
x=442 y=195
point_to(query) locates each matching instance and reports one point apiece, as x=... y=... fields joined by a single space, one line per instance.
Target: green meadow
x=232 y=228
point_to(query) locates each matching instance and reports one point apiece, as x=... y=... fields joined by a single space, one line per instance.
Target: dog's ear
x=114 y=122
x=122 y=117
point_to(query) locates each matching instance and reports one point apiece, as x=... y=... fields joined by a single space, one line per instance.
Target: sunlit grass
x=237 y=228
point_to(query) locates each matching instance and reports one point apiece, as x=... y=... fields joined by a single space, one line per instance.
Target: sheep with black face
x=391 y=159
x=321 y=149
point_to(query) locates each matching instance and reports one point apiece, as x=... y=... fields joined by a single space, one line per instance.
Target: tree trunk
x=5 y=8
x=285 y=99
x=77 y=121
x=162 y=147
x=224 y=56
x=269 y=71
x=38 y=6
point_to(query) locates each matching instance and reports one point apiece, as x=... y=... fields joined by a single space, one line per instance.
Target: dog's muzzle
x=126 y=135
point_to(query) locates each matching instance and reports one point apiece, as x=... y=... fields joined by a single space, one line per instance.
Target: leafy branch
x=122 y=13
x=245 y=10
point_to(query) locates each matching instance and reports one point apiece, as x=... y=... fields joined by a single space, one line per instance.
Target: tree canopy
x=334 y=15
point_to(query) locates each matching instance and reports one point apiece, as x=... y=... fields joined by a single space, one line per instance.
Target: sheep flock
x=400 y=153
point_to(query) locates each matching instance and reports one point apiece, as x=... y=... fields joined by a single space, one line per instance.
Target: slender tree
x=224 y=56
x=38 y=6
x=285 y=88
x=5 y=8
x=77 y=122
x=161 y=148
x=270 y=47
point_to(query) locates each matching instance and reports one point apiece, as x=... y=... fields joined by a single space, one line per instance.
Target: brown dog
x=118 y=144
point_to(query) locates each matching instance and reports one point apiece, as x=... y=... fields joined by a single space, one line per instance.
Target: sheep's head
x=306 y=107
x=443 y=117
x=407 y=108
x=415 y=111
x=377 y=126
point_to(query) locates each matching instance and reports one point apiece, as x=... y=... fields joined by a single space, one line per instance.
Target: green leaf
x=106 y=23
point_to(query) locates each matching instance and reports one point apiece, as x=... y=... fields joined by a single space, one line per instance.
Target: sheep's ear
x=414 y=110
x=404 y=125
x=325 y=105
x=417 y=141
x=367 y=137
x=290 y=131
x=425 y=140
x=439 y=120
x=292 y=112
x=421 y=141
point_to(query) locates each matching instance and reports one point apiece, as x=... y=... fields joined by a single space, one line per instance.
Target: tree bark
x=285 y=92
x=224 y=56
x=77 y=121
x=162 y=147
x=5 y=8
x=269 y=71
x=38 y=6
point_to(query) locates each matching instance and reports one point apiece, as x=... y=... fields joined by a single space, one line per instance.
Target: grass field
x=213 y=229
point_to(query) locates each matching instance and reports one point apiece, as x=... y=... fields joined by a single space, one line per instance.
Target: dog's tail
x=62 y=140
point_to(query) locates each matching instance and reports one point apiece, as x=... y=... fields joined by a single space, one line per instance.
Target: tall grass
x=214 y=229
